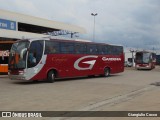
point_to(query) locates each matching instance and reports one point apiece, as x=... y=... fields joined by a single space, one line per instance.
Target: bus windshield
x=146 y=57
x=143 y=57
x=17 y=56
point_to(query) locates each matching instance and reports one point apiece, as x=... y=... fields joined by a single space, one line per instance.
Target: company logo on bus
x=91 y=63
x=111 y=59
x=4 y=53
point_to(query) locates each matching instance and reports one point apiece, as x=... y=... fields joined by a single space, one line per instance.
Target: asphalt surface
x=131 y=90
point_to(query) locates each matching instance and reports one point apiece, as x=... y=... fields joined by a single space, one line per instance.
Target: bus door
x=35 y=61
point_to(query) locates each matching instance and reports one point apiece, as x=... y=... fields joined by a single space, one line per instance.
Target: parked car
x=128 y=64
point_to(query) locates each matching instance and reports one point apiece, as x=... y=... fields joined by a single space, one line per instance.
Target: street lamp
x=94 y=25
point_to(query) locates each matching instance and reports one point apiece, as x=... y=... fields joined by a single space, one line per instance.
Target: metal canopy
x=19 y=35
x=33 y=24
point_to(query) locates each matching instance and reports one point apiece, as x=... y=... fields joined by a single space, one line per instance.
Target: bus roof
x=144 y=51
x=58 y=38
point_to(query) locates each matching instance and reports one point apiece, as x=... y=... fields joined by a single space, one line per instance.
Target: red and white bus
x=145 y=60
x=48 y=58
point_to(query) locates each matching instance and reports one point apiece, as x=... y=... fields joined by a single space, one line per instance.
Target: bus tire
x=51 y=77
x=106 y=72
x=91 y=76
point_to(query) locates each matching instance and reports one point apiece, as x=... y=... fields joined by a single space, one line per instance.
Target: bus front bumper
x=148 y=67
x=17 y=77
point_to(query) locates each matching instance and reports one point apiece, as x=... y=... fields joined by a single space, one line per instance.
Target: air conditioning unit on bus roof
x=83 y=40
x=116 y=44
x=60 y=37
x=66 y=38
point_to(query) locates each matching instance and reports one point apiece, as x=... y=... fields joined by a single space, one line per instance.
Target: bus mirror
x=23 y=51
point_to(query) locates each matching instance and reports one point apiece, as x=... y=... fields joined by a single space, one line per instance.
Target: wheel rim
x=106 y=72
x=52 y=76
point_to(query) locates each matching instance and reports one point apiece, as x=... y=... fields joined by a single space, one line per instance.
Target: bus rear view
x=145 y=60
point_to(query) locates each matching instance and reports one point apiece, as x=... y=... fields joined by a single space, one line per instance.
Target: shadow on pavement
x=60 y=80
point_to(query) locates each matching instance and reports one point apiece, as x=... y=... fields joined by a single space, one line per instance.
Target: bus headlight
x=21 y=72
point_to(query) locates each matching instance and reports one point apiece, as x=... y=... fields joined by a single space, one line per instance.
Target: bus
x=51 y=58
x=145 y=60
x=4 y=61
x=5 y=46
x=157 y=59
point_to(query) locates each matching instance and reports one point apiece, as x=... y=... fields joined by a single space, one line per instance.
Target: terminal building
x=15 y=26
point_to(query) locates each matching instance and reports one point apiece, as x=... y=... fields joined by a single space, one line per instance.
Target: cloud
x=128 y=22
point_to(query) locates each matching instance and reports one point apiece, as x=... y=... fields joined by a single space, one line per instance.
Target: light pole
x=94 y=25
x=132 y=51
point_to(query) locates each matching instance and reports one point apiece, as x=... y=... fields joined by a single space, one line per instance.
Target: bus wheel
x=106 y=72
x=51 y=77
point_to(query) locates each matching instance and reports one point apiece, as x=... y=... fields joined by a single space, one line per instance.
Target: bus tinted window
x=107 y=49
x=92 y=49
x=120 y=49
x=35 y=53
x=67 y=47
x=116 y=50
x=51 y=47
x=80 y=48
x=102 y=50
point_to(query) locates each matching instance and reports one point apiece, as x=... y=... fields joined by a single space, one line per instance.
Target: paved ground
x=129 y=91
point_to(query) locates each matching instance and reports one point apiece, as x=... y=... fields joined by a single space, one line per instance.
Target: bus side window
x=92 y=49
x=35 y=53
x=51 y=47
x=67 y=47
x=105 y=49
x=114 y=49
x=80 y=48
x=102 y=50
x=119 y=50
x=109 y=49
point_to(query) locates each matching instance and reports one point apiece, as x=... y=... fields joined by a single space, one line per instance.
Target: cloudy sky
x=132 y=23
